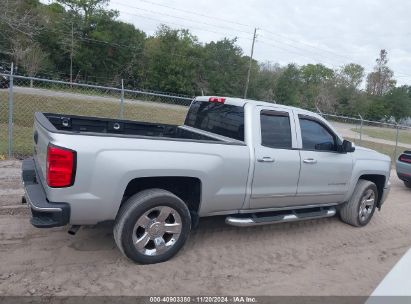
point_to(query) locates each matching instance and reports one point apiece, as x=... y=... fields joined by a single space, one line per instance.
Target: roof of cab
x=240 y=102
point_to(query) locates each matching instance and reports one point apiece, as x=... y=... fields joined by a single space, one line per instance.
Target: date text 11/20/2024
x=204 y=299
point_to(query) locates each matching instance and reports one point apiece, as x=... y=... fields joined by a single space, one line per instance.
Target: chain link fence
x=21 y=96
x=388 y=138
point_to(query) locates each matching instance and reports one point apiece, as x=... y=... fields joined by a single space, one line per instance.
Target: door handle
x=265 y=159
x=310 y=161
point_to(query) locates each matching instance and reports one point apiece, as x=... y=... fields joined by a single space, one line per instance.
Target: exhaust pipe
x=73 y=229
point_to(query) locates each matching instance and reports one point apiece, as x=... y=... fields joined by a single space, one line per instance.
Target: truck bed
x=85 y=124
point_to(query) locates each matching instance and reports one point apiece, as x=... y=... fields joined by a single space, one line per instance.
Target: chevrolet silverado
x=253 y=162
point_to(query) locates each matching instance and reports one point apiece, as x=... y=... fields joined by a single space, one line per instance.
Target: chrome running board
x=265 y=218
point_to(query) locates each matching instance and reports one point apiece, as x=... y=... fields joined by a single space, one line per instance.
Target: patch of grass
x=22 y=140
x=382 y=148
x=25 y=105
x=404 y=135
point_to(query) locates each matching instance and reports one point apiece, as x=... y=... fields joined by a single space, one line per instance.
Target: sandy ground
x=320 y=257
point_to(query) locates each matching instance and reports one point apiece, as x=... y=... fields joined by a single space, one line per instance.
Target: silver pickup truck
x=253 y=162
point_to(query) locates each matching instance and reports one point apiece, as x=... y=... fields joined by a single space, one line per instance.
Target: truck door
x=325 y=172
x=277 y=162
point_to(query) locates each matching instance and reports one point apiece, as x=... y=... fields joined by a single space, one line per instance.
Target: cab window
x=315 y=136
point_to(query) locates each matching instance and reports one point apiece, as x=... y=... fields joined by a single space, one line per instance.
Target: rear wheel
x=407 y=184
x=152 y=226
x=359 y=210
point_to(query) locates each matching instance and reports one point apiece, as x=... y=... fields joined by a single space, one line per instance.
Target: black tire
x=134 y=209
x=350 y=211
x=407 y=184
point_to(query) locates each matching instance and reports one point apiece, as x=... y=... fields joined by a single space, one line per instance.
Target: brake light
x=217 y=99
x=405 y=158
x=60 y=166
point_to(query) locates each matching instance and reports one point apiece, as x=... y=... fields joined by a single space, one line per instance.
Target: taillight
x=217 y=99
x=60 y=166
x=405 y=158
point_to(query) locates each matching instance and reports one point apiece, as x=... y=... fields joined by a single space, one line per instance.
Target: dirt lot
x=321 y=257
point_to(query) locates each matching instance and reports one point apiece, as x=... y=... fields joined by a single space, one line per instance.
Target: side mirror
x=347 y=147
x=326 y=146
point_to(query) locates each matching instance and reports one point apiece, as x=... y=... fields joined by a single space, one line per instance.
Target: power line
x=300 y=54
x=194 y=13
x=212 y=17
x=332 y=52
x=181 y=18
x=116 y=45
x=213 y=31
x=166 y=23
x=180 y=25
x=284 y=48
x=172 y=54
x=304 y=43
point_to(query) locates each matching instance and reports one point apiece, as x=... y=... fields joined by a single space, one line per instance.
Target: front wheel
x=359 y=210
x=152 y=226
x=407 y=184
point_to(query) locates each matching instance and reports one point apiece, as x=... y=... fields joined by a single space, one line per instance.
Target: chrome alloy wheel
x=157 y=230
x=367 y=205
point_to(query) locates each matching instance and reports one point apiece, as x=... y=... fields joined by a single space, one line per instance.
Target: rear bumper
x=404 y=177
x=45 y=214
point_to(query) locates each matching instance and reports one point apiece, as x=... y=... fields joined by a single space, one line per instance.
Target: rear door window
x=218 y=118
x=275 y=130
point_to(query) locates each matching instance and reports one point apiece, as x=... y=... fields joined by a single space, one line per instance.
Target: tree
x=346 y=89
x=18 y=18
x=316 y=79
x=18 y=26
x=224 y=68
x=288 y=85
x=263 y=79
x=33 y=59
x=87 y=8
x=398 y=102
x=380 y=81
x=351 y=75
x=377 y=108
x=172 y=62
x=112 y=49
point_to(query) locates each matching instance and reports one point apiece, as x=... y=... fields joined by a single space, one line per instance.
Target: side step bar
x=261 y=218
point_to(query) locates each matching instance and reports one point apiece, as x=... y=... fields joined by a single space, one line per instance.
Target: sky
x=332 y=32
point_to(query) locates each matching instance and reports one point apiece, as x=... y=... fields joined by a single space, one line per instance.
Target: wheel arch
x=379 y=180
x=188 y=189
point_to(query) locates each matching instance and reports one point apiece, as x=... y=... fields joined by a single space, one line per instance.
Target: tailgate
x=41 y=140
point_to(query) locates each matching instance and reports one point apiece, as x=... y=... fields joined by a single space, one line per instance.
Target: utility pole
x=71 y=53
x=249 y=65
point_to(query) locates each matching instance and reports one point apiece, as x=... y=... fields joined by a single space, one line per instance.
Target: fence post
x=122 y=100
x=361 y=128
x=396 y=140
x=10 y=114
x=319 y=111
